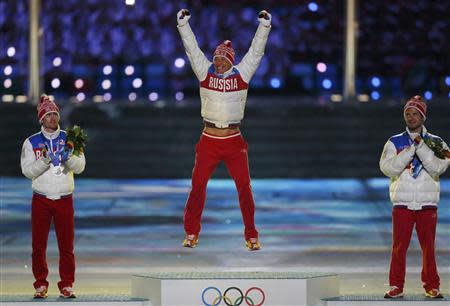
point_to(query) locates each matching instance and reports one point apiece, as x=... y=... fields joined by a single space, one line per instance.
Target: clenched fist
x=265 y=18
x=183 y=16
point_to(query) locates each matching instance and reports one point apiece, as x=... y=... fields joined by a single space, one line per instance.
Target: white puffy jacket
x=224 y=96
x=35 y=168
x=405 y=190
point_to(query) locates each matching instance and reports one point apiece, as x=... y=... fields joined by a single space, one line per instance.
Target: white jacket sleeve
x=31 y=167
x=393 y=164
x=198 y=60
x=434 y=165
x=76 y=163
x=250 y=62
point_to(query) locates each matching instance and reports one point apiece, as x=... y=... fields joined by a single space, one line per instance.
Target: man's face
x=50 y=121
x=413 y=119
x=221 y=64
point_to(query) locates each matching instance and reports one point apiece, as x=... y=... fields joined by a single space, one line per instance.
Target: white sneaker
x=67 y=293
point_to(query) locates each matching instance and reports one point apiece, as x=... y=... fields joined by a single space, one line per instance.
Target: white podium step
x=81 y=300
x=371 y=300
x=235 y=288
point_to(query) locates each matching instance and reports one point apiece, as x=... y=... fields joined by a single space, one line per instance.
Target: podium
x=235 y=288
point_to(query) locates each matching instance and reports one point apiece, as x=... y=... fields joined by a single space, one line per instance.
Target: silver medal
x=57 y=170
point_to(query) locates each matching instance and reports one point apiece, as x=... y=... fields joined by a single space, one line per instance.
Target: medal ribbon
x=416 y=165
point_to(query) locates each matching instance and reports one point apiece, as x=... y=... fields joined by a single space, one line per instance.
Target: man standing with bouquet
x=50 y=160
x=414 y=160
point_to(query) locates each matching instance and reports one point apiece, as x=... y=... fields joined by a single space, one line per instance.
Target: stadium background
x=120 y=71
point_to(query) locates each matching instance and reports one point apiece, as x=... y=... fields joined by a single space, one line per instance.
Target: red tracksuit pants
x=61 y=211
x=403 y=221
x=210 y=151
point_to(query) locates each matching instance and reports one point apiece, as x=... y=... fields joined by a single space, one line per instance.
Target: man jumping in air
x=223 y=94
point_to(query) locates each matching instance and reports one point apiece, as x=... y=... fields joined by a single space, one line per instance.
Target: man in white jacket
x=223 y=94
x=50 y=165
x=414 y=170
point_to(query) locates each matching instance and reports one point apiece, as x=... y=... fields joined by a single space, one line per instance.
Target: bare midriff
x=220 y=132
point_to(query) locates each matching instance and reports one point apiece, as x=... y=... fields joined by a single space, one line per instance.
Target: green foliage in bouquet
x=76 y=139
x=436 y=146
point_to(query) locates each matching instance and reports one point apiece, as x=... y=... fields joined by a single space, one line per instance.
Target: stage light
x=132 y=96
x=7 y=83
x=327 y=84
x=129 y=70
x=129 y=2
x=153 y=96
x=8 y=70
x=79 y=83
x=107 y=96
x=97 y=99
x=275 y=82
x=179 y=62
x=336 y=98
x=179 y=96
x=447 y=80
x=313 y=7
x=363 y=98
x=107 y=70
x=106 y=84
x=56 y=83
x=376 y=82
x=137 y=83
x=81 y=96
x=375 y=95
x=321 y=67
x=57 y=61
x=7 y=98
x=428 y=95
x=21 y=99
x=11 y=51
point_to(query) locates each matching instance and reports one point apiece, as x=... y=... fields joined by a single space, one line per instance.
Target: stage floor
x=126 y=227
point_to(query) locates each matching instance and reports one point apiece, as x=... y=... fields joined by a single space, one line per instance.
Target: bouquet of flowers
x=436 y=146
x=76 y=139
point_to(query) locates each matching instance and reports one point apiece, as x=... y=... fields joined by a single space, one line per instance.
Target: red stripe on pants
x=61 y=211
x=403 y=221
x=209 y=153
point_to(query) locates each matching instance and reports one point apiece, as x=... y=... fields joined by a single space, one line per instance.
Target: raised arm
x=198 y=60
x=252 y=58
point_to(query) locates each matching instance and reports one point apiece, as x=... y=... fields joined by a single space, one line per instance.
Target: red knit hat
x=226 y=50
x=417 y=103
x=46 y=105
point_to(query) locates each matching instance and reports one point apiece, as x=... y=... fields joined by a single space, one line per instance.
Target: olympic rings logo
x=229 y=296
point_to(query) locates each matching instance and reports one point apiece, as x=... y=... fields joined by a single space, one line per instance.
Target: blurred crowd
x=396 y=39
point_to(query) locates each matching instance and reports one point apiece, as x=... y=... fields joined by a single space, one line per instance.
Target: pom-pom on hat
x=46 y=105
x=226 y=50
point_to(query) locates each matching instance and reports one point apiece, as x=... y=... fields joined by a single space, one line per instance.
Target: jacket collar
x=226 y=73
x=49 y=135
x=423 y=133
